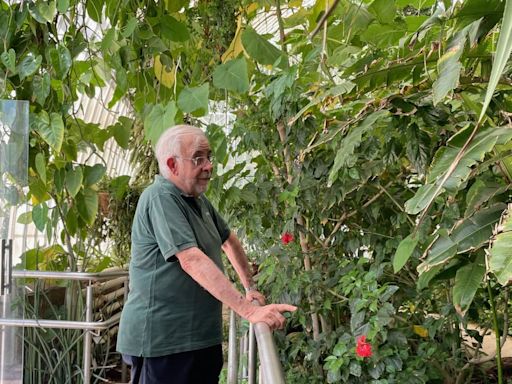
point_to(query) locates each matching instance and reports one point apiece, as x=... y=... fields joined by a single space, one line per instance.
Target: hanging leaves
x=194 y=99
x=232 y=76
x=60 y=60
x=500 y=254
x=482 y=144
x=503 y=50
x=29 y=65
x=50 y=127
x=404 y=252
x=173 y=29
x=166 y=75
x=158 y=120
x=470 y=235
x=259 y=48
x=74 y=178
x=467 y=281
x=87 y=204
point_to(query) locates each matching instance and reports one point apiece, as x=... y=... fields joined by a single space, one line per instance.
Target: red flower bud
x=363 y=349
x=286 y=238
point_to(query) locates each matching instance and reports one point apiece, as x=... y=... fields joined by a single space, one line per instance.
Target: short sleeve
x=171 y=227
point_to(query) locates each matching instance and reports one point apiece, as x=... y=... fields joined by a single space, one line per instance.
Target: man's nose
x=208 y=165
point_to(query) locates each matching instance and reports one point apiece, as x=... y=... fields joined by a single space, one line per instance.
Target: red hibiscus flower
x=286 y=238
x=363 y=349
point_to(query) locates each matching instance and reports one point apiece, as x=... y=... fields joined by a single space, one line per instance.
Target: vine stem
x=497 y=333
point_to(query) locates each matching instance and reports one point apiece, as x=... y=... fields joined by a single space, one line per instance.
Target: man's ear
x=171 y=163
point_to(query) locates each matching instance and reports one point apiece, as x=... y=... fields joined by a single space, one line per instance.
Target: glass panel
x=13 y=179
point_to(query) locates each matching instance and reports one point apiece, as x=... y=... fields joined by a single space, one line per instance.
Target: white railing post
x=232 y=351
x=252 y=355
x=88 y=335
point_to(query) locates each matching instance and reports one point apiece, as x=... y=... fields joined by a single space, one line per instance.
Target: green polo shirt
x=167 y=311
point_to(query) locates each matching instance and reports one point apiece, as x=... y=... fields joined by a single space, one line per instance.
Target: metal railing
x=271 y=370
x=88 y=325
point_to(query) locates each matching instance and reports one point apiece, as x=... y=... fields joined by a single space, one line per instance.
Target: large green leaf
x=40 y=216
x=173 y=29
x=158 y=120
x=62 y=6
x=383 y=10
x=404 y=252
x=72 y=221
x=384 y=35
x=442 y=251
x=175 y=5
x=481 y=192
x=40 y=164
x=74 y=179
x=482 y=144
x=39 y=191
x=120 y=185
x=43 y=11
x=9 y=60
x=232 y=76
x=94 y=8
x=352 y=141
x=420 y=200
x=503 y=50
x=475 y=231
x=500 y=255
x=29 y=65
x=192 y=99
x=93 y=174
x=122 y=131
x=259 y=48
x=87 y=204
x=41 y=87
x=449 y=66
x=467 y=281
x=60 y=60
x=429 y=276
x=51 y=128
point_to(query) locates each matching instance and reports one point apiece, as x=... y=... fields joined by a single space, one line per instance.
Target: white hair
x=170 y=144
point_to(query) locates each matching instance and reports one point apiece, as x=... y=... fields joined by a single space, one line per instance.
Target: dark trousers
x=202 y=366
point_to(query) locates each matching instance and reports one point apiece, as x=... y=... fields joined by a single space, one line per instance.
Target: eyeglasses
x=199 y=161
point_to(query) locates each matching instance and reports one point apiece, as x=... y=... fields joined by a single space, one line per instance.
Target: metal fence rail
x=88 y=325
x=271 y=370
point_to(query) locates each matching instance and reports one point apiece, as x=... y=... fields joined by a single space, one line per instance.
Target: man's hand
x=270 y=314
x=252 y=295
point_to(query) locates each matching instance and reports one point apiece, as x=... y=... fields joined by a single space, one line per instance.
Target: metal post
x=232 y=351
x=252 y=355
x=243 y=356
x=272 y=369
x=88 y=335
x=124 y=367
x=9 y=267
x=2 y=268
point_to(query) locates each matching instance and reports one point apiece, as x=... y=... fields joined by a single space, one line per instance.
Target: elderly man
x=171 y=324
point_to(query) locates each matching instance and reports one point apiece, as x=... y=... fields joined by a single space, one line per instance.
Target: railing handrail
x=88 y=325
x=82 y=276
x=267 y=351
x=271 y=368
x=61 y=324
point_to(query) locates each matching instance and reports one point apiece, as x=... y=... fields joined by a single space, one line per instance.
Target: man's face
x=193 y=180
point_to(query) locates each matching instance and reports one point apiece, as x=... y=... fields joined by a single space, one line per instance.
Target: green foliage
x=340 y=138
